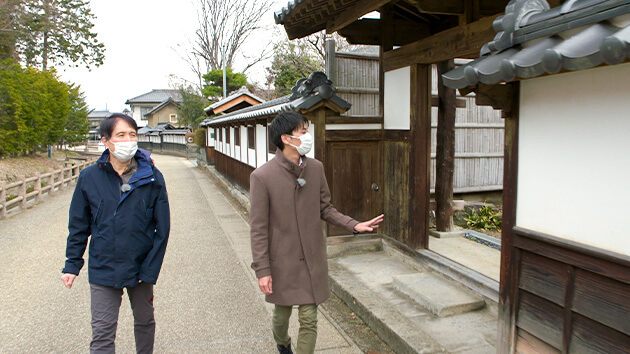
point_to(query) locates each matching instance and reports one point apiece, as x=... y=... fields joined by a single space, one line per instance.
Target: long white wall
x=574 y=148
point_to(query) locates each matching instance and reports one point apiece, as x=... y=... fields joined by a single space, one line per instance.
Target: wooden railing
x=33 y=188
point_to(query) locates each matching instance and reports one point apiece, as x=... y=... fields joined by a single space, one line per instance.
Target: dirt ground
x=13 y=167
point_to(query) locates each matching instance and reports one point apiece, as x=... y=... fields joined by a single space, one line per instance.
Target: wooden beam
x=442 y=7
x=420 y=157
x=352 y=13
x=510 y=255
x=463 y=41
x=445 y=151
x=369 y=31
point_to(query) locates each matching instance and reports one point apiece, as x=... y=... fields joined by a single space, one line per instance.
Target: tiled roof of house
x=242 y=91
x=99 y=114
x=156 y=96
x=163 y=104
x=533 y=40
x=306 y=94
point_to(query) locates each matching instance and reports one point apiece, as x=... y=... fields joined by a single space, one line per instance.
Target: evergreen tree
x=59 y=31
x=190 y=112
x=214 y=82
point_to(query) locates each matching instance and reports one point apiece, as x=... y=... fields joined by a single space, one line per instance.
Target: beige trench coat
x=286 y=230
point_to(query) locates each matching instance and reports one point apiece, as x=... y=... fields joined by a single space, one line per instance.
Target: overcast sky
x=139 y=36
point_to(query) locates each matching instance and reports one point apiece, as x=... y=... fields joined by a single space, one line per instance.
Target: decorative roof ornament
x=517 y=12
x=316 y=82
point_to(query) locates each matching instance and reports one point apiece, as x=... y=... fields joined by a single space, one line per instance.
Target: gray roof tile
x=156 y=96
x=575 y=36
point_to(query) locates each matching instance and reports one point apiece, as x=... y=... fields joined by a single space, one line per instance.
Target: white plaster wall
x=223 y=143
x=251 y=157
x=398 y=99
x=574 y=146
x=261 y=145
x=311 y=129
x=243 y=143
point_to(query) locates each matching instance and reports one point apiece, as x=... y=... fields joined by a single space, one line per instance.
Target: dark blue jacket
x=129 y=230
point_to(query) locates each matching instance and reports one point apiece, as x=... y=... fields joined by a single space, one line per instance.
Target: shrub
x=486 y=218
x=200 y=137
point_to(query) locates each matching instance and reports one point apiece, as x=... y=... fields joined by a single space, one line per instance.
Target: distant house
x=165 y=112
x=240 y=99
x=95 y=118
x=147 y=103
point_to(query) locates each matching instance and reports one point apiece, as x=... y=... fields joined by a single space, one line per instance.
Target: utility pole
x=224 y=80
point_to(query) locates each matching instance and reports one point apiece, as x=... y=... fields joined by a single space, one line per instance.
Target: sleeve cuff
x=262 y=268
x=70 y=269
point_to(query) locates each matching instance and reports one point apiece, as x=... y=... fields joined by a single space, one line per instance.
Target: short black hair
x=107 y=125
x=284 y=123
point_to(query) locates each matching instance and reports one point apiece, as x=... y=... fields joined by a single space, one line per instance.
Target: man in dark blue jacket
x=121 y=202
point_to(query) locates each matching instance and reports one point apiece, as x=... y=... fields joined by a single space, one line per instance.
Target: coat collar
x=288 y=165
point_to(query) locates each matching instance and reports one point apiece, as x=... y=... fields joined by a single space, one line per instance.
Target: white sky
x=139 y=37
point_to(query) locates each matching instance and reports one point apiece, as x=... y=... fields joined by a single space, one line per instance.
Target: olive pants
x=307 y=335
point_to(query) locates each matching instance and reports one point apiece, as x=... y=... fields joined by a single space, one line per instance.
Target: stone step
x=437 y=294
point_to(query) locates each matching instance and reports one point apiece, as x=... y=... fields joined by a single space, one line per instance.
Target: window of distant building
x=173 y=118
x=251 y=137
x=237 y=136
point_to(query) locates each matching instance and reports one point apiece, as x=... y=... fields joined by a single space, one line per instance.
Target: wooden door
x=354 y=176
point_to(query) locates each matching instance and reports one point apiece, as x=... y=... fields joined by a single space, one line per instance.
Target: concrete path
x=206 y=300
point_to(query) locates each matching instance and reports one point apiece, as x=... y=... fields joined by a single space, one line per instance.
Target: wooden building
x=163 y=138
x=565 y=282
x=564 y=267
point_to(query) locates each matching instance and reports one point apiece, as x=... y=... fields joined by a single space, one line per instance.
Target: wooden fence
x=479 y=130
x=33 y=188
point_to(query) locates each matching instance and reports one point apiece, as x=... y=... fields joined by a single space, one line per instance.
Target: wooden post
x=445 y=151
x=62 y=177
x=22 y=192
x=51 y=181
x=320 y=135
x=420 y=156
x=331 y=61
x=38 y=187
x=509 y=254
x=387 y=44
x=3 y=198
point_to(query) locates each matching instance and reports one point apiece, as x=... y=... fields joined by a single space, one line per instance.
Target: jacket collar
x=288 y=165
x=143 y=158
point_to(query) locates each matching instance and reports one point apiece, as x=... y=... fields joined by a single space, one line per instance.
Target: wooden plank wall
x=234 y=170
x=570 y=298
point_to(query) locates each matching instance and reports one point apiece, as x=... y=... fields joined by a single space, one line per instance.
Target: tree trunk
x=445 y=152
x=45 y=52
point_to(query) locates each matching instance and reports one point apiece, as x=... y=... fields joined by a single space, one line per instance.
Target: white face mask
x=306 y=145
x=124 y=151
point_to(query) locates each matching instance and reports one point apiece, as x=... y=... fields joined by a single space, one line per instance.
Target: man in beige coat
x=289 y=198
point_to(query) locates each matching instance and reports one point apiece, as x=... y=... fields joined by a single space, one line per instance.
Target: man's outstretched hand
x=68 y=279
x=264 y=284
x=370 y=225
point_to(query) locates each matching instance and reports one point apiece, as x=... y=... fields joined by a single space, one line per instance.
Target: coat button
x=302 y=259
x=254 y=265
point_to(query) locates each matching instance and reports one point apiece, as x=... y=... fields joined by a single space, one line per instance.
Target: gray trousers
x=105 y=306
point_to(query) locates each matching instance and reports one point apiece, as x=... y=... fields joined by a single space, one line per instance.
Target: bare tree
x=224 y=25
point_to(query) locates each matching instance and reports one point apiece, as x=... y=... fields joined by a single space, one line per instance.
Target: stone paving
x=206 y=299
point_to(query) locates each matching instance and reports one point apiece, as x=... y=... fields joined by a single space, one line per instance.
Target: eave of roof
x=306 y=94
x=578 y=35
x=162 y=105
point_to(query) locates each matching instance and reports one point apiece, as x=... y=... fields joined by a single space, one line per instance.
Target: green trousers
x=307 y=335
